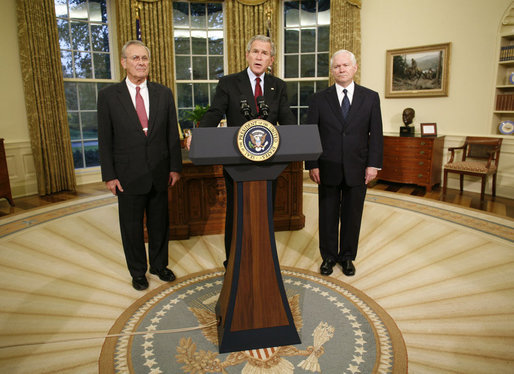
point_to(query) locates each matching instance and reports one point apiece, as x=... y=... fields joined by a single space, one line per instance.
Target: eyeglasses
x=139 y=58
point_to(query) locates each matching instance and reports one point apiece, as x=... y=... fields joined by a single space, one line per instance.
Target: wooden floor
x=500 y=206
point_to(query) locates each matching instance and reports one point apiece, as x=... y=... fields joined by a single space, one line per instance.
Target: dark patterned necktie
x=345 y=104
x=141 y=111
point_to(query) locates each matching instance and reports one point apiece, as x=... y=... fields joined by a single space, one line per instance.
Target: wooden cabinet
x=413 y=160
x=5 y=187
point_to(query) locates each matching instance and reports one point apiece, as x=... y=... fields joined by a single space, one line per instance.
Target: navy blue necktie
x=345 y=104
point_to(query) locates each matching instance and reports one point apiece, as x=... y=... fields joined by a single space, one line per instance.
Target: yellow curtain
x=44 y=96
x=156 y=20
x=345 y=29
x=244 y=19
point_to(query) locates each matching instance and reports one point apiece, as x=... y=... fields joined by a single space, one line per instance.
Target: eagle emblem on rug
x=262 y=361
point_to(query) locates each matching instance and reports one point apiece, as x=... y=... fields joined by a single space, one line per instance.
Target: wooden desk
x=5 y=186
x=413 y=160
x=197 y=202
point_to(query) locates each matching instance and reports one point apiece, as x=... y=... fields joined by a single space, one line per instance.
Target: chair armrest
x=452 y=152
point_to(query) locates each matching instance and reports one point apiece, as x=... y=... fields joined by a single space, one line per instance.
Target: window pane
x=308 y=66
x=78 y=155
x=199 y=42
x=70 y=91
x=292 y=93
x=291 y=66
x=97 y=11
x=91 y=154
x=102 y=63
x=80 y=36
x=74 y=124
x=100 y=38
x=180 y=14
x=308 y=13
x=64 y=33
x=201 y=94
x=184 y=95
x=323 y=65
x=216 y=43
x=182 y=44
x=323 y=38
x=67 y=64
x=199 y=67
x=291 y=39
x=89 y=125
x=215 y=67
x=183 y=67
x=215 y=15
x=61 y=8
x=87 y=96
x=78 y=9
x=321 y=85
x=198 y=17
x=291 y=13
x=82 y=65
x=308 y=40
x=306 y=91
x=323 y=12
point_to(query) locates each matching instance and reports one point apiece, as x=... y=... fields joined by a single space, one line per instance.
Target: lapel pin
x=272 y=88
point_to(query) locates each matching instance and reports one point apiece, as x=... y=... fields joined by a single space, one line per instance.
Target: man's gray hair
x=133 y=42
x=261 y=38
x=352 y=56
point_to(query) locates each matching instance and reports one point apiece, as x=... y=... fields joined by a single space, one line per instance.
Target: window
x=198 y=37
x=306 y=51
x=86 y=65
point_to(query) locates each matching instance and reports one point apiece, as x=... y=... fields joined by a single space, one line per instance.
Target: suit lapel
x=153 y=105
x=245 y=87
x=333 y=102
x=357 y=101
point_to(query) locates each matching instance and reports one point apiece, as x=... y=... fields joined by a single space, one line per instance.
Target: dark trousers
x=132 y=209
x=340 y=215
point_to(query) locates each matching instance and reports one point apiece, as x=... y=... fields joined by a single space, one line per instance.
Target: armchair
x=480 y=157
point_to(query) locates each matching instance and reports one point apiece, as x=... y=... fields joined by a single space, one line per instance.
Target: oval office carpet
x=443 y=274
x=341 y=330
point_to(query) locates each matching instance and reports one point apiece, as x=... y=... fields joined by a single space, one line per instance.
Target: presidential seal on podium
x=258 y=140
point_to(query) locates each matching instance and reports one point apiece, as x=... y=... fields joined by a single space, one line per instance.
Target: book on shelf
x=507 y=53
x=505 y=102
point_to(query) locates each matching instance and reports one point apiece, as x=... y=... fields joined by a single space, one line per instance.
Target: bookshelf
x=503 y=109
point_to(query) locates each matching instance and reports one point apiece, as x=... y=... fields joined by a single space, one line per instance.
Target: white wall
x=470 y=25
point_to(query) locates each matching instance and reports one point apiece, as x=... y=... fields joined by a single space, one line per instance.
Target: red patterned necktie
x=258 y=91
x=141 y=111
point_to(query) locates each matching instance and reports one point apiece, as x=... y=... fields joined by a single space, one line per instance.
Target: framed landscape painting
x=418 y=71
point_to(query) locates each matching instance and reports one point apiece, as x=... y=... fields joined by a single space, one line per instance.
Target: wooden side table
x=5 y=186
x=413 y=160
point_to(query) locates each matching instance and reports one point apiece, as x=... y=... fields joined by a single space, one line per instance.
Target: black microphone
x=245 y=108
x=263 y=107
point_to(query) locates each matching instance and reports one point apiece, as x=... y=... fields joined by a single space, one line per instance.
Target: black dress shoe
x=348 y=267
x=326 y=266
x=165 y=274
x=140 y=283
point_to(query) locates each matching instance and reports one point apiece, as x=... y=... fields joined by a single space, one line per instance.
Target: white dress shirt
x=252 y=77
x=144 y=94
x=340 y=94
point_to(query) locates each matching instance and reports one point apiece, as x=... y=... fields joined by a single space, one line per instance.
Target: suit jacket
x=137 y=160
x=351 y=145
x=234 y=87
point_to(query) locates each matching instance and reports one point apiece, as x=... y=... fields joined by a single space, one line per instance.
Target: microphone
x=263 y=107
x=245 y=108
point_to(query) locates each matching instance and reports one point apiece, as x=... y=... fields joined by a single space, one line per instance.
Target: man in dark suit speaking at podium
x=239 y=96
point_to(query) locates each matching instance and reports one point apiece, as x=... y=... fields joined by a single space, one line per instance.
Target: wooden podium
x=253 y=311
